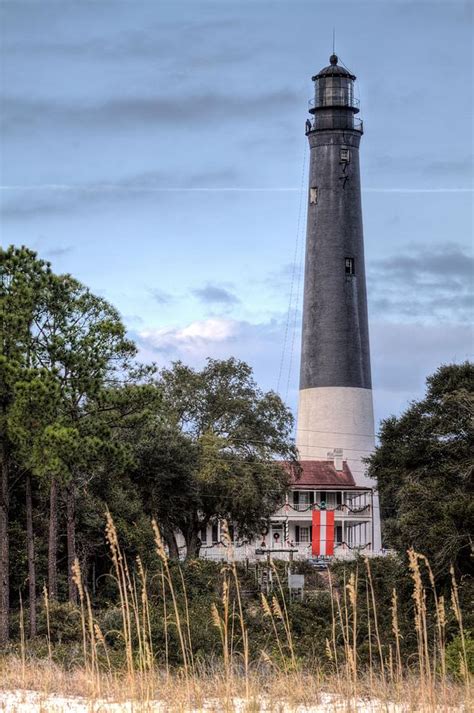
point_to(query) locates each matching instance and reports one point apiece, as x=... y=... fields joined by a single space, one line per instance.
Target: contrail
x=195 y=189
x=417 y=190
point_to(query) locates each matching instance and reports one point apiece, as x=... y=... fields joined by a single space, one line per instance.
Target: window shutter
x=311 y=497
x=296 y=497
x=215 y=534
x=297 y=533
x=311 y=534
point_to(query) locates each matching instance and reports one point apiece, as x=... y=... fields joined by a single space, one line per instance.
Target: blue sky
x=156 y=150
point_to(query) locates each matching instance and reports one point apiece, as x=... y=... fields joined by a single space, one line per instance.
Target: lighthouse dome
x=333 y=70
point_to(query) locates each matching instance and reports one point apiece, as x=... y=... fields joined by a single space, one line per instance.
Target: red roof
x=315 y=473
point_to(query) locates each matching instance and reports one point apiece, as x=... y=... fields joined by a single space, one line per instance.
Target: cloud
x=287 y=278
x=419 y=165
x=135 y=319
x=26 y=205
x=427 y=282
x=259 y=344
x=30 y=202
x=157 y=42
x=193 y=340
x=58 y=251
x=213 y=294
x=122 y=112
x=404 y=355
x=162 y=297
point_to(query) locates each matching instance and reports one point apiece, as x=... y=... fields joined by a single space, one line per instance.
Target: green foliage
x=216 y=449
x=424 y=471
x=454 y=655
x=189 y=447
x=64 y=623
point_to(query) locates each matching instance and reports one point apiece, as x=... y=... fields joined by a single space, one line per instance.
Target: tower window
x=313 y=194
x=349 y=265
x=345 y=155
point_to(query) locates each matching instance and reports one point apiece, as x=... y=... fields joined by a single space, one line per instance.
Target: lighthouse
x=335 y=413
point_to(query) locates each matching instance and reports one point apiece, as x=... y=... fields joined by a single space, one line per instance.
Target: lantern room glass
x=334 y=91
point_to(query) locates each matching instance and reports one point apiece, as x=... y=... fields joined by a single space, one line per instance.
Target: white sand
x=24 y=701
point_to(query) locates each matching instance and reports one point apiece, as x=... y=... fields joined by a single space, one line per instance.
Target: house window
x=338 y=537
x=304 y=534
x=349 y=265
x=304 y=498
x=215 y=534
x=313 y=195
x=345 y=155
x=203 y=535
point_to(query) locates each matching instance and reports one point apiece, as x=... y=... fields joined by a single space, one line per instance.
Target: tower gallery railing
x=333 y=99
x=335 y=122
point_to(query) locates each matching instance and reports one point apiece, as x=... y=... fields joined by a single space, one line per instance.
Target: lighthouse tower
x=335 y=398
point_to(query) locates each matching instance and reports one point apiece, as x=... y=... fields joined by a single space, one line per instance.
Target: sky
x=156 y=151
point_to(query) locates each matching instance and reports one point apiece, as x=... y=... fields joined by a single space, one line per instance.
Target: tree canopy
x=83 y=428
x=217 y=451
x=424 y=471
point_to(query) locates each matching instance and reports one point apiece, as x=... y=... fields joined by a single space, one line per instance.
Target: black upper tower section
x=335 y=338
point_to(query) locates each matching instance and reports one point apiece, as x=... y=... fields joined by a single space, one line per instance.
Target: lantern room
x=334 y=104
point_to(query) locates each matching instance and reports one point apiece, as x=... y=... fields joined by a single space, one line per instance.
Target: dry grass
x=266 y=689
x=278 y=680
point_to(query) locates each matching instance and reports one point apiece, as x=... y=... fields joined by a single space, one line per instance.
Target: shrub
x=455 y=657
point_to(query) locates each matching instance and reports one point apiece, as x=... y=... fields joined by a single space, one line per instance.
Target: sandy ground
x=34 y=702
x=24 y=701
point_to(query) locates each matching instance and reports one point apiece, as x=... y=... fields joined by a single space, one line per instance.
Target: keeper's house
x=325 y=514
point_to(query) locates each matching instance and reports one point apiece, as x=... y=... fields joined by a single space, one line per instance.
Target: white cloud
x=403 y=355
x=197 y=339
x=258 y=344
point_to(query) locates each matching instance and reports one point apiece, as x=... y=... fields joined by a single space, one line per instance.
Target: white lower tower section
x=340 y=417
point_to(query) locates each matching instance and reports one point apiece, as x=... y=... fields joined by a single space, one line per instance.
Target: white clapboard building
x=325 y=514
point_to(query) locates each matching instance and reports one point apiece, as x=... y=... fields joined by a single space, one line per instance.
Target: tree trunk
x=53 y=541
x=170 y=539
x=71 y=541
x=30 y=550
x=193 y=542
x=4 y=547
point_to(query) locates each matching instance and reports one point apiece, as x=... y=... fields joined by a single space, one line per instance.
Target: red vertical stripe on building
x=330 y=533
x=323 y=533
x=316 y=532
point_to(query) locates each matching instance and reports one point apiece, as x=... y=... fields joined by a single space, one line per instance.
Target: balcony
x=302 y=511
x=336 y=122
x=333 y=99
